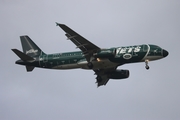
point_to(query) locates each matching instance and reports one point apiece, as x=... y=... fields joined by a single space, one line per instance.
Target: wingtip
x=24 y=36
x=13 y=49
x=58 y=24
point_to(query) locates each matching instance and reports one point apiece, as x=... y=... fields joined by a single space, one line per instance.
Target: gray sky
x=72 y=94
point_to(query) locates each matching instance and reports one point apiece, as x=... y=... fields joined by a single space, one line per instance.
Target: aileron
x=83 y=44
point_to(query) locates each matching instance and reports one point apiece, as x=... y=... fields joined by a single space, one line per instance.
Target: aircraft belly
x=151 y=58
x=67 y=66
x=83 y=64
x=104 y=64
x=101 y=64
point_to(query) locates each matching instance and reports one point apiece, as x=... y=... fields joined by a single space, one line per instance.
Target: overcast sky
x=72 y=94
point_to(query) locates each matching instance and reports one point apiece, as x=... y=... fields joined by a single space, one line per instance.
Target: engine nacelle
x=119 y=74
x=105 y=53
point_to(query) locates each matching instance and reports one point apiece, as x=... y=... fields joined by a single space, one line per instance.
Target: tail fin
x=30 y=50
x=29 y=47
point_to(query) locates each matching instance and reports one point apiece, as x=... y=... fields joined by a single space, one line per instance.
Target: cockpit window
x=155 y=50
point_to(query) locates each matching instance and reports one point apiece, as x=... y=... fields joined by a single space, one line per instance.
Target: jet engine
x=105 y=53
x=119 y=74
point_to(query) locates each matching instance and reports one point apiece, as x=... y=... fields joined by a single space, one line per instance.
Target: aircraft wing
x=103 y=75
x=83 y=44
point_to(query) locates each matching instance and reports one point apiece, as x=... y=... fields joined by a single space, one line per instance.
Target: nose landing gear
x=147 y=66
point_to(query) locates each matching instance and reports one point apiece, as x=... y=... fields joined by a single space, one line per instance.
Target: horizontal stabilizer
x=29 y=68
x=21 y=55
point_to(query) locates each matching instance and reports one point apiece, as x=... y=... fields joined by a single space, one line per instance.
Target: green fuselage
x=106 y=57
x=103 y=62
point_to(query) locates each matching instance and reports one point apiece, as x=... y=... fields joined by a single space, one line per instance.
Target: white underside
x=102 y=64
x=68 y=66
x=151 y=58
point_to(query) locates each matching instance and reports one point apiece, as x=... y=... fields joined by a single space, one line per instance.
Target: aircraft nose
x=165 y=53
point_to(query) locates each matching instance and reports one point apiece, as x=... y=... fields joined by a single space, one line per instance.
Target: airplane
x=103 y=62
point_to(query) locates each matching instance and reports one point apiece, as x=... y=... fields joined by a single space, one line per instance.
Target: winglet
x=57 y=24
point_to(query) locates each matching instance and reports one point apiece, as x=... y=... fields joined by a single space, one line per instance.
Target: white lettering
x=123 y=50
x=137 y=49
x=31 y=51
x=130 y=50
x=117 y=51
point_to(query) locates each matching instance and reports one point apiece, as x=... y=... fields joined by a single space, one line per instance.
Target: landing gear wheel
x=90 y=65
x=147 y=66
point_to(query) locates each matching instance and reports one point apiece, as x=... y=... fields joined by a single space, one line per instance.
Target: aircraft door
x=145 y=48
x=44 y=60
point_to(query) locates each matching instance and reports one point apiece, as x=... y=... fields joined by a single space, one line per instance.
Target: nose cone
x=165 y=53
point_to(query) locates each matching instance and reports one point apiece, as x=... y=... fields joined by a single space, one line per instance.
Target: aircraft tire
x=90 y=65
x=147 y=67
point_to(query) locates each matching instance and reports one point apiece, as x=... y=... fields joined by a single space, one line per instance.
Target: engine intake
x=119 y=74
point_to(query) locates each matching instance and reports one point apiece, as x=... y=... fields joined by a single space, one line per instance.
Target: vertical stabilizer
x=29 y=47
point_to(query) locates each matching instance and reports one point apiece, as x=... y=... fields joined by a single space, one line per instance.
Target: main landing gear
x=147 y=66
x=90 y=65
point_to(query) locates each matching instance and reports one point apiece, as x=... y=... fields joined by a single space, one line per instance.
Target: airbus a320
x=103 y=62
